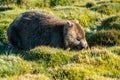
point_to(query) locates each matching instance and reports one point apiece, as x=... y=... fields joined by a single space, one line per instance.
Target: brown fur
x=31 y=29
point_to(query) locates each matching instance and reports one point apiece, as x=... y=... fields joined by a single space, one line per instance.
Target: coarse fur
x=33 y=28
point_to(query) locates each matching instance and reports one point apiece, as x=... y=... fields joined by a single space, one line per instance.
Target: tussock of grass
x=87 y=63
x=104 y=38
x=111 y=23
x=107 y=34
x=50 y=57
x=13 y=65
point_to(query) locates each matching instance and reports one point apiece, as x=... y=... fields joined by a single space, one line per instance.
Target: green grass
x=86 y=17
x=107 y=8
x=111 y=23
x=101 y=62
x=104 y=38
x=28 y=77
x=13 y=65
x=62 y=64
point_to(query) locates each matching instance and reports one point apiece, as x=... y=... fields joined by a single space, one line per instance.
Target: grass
x=111 y=23
x=104 y=38
x=99 y=62
x=86 y=17
x=107 y=8
x=62 y=64
x=13 y=65
x=28 y=77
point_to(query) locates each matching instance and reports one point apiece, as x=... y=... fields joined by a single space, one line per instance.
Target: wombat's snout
x=83 y=45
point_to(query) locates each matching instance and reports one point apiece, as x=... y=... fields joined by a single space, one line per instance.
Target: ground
x=101 y=61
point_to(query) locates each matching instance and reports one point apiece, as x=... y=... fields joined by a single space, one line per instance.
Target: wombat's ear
x=69 y=24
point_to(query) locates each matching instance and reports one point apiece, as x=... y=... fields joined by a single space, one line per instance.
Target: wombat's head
x=74 y=36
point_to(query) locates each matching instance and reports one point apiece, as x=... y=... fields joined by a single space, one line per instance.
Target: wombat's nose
x=86 y=45
x=81 y=47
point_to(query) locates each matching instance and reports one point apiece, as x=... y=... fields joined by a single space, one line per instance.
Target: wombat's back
x=34 y=28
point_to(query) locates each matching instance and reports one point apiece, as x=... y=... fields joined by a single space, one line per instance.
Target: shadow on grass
x=5 y=8
x=49 y=57
x=8 y=50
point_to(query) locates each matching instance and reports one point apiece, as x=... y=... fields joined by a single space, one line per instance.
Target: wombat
x=33 y=28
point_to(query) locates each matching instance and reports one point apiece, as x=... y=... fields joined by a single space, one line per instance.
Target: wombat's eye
x=78 y=38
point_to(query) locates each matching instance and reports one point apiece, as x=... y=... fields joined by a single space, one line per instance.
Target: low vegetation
x=111 y=23
x=107 y=8
x=61 y=64
x=101 y=61
x=105 y=38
